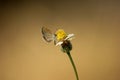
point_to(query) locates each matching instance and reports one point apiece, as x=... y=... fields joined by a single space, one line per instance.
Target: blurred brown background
x=96 y=46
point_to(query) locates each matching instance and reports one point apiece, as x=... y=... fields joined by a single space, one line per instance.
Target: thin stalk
x=72 y=62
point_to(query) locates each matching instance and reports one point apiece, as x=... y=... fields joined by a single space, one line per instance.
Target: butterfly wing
x=47 y=34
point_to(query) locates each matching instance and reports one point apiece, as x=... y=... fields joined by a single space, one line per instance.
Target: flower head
x=64 y=40
x=60 y=34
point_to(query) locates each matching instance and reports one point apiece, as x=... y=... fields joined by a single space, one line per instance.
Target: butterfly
x=48 y=35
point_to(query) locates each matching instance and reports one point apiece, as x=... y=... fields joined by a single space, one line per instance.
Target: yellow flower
x=60 y=34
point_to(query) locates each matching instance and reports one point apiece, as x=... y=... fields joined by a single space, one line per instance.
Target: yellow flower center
x=60 y=34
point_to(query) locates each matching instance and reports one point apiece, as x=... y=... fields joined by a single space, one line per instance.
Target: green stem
x=72 y=62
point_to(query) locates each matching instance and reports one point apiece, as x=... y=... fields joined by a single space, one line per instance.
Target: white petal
x=69 y=36
x=59 y=43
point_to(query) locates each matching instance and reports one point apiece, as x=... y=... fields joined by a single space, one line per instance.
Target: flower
x=61 y=36
x=64 y=40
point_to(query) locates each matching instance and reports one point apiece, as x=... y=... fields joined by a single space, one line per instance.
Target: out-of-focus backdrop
x=24 y=55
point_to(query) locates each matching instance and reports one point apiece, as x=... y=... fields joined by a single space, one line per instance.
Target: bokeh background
x=24 y=55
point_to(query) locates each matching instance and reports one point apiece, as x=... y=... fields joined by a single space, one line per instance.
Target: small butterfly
x=48 y=35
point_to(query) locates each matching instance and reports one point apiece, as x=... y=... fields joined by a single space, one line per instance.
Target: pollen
x=60 y=34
